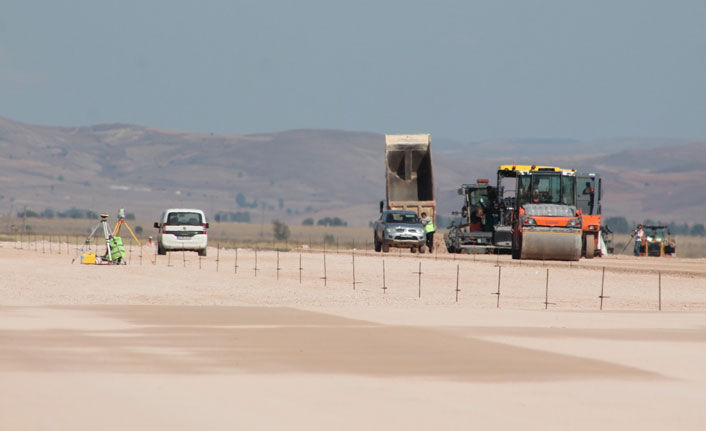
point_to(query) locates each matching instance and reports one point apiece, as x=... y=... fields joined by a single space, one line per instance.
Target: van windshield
x=184 y=219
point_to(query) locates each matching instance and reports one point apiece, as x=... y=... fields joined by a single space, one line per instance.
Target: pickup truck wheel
x=378 y=246
x=421 y=249
x=385 y=248
x=413 y=249
x=202 y=252
x=161 y=251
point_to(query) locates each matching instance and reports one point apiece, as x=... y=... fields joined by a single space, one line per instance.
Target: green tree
x=281 y=230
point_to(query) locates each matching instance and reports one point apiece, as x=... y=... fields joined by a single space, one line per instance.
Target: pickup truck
x=399 y=228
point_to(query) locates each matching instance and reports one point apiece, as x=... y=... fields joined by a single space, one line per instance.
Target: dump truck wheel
x=385 y=248
x=590 y=246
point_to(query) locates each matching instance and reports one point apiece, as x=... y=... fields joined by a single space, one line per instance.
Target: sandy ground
x=194 y=343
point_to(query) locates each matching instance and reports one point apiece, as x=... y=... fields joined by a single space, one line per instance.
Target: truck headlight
x=528 y=221
x=574 y=222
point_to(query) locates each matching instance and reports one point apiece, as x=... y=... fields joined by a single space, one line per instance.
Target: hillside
x=308 y=173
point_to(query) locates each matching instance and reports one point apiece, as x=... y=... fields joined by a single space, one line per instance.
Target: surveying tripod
x=107 y=234
x=120 y=223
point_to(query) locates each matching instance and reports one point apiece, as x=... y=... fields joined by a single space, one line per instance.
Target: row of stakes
x=419 y=273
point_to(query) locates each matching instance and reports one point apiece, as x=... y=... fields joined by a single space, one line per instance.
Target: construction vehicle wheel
x=161 y=251
x=590 y=246
x=202 y=252
x=378 y=246
x=385 y=248
x=421 y=249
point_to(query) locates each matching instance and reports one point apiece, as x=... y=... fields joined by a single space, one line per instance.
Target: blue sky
x=464 y=70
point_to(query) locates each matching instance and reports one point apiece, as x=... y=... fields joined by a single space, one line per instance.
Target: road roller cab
x=545 y=221
x=588 y=200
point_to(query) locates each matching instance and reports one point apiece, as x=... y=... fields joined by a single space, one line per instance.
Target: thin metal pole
x=546 y=292
x=278 y=268
x=300 y=268
x=457 y=289
x=183 y=257
x=420 y=279
x=660 y=290
x=384 y=285
x=497 y=305
x=602 y=285
x=325 y=276
x=255 y=263
x=218 y=255
x=353 y=254
x=235 y=266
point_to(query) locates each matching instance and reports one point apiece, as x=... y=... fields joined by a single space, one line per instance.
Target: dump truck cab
x=545 y=222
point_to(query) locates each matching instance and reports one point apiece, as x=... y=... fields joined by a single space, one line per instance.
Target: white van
x=182 y=229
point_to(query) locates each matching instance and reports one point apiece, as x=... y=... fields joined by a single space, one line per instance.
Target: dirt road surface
x=193 y=343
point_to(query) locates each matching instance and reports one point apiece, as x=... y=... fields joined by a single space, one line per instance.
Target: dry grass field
x=261 y=236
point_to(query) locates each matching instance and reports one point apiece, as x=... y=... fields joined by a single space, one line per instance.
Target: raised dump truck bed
x=408 y=173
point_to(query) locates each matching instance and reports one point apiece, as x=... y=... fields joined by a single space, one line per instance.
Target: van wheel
x=202 y=252
x=161 y=251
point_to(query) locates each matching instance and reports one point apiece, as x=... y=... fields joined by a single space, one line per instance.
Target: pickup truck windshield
x=402 y=218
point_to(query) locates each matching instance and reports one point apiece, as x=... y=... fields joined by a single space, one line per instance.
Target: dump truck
x=408 y=174
x=546 y=223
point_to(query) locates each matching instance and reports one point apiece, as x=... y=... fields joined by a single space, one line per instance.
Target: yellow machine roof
x=533 y=168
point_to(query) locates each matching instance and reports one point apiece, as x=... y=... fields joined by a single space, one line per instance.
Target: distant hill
x=298 y=174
